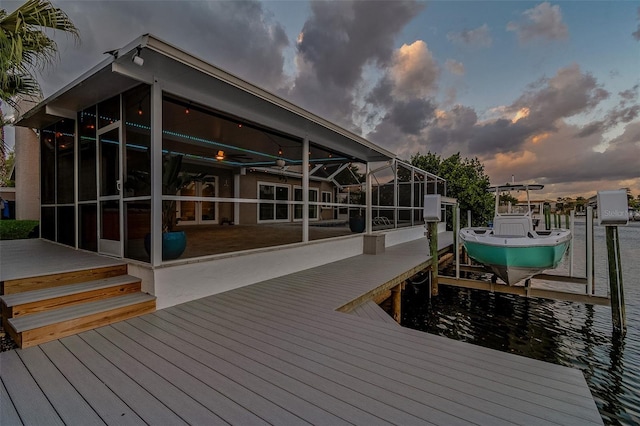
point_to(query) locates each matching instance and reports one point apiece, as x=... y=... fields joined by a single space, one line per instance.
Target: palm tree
x=25 y=47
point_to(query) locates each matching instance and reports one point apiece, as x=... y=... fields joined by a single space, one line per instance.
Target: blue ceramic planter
x=173 y=244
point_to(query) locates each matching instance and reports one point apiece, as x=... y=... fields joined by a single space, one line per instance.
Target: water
x=565 y=333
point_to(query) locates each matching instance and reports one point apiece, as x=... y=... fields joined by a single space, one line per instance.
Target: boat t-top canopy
x=515 y=187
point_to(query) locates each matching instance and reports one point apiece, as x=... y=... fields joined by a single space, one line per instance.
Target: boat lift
x=526 y=290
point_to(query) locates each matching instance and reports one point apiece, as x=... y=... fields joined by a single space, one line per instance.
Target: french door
x=200 y=211
x=110 y=195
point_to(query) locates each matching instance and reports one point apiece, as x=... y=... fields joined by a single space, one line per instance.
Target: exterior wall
x=185 y=281
x=249 y=189
x=27 y=174
x=327 y=213
x=404 y=235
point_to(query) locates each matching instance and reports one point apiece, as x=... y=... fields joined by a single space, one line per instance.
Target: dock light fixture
x=137 y=59
x=280 y=162
x=220 y=155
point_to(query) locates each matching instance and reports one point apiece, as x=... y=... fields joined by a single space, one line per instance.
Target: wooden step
x=53 y=280
x=29 y=302
x=34 y=329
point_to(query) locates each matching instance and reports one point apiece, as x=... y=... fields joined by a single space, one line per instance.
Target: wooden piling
x=547 y=218
x=591 y=285
x=616 y=288
x=433 y=250
x=396 y=303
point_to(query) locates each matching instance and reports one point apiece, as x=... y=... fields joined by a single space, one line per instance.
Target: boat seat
x=512 y=226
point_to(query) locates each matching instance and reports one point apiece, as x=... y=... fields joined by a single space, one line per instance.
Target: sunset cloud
x=413 y=71
x=477 y=37
x=390 y=70
x=454 y=67
x=542 y=22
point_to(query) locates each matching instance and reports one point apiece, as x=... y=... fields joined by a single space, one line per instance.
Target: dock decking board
x=252 y=402
x=371 y=310
x=27 y=397
x=348 y=345
x=67 y=402
x=146 y=405
x=278 y=352
x=376 y=374
x=489 y=364
x=102 y=399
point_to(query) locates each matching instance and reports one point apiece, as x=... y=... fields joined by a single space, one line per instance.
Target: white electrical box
x=613 y=207
x=432 y=209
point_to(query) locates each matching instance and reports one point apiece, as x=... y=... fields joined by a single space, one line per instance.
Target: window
x=313 y=208
x=326 y=199
x=273 y=212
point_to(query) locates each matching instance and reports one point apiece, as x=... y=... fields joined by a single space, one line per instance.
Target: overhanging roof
x=185 y=75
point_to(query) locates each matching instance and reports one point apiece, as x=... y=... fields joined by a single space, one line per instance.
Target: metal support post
x=616 y=288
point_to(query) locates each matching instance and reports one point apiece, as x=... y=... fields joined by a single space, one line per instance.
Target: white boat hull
x=515 y=258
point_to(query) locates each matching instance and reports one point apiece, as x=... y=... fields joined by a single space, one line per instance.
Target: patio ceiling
x=183 y=75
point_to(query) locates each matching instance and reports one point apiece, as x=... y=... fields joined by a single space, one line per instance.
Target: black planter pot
x=357 y=224
x=173 y=244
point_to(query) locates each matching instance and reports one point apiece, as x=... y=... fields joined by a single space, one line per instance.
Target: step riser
x=54 y=280
x=69 y=300
x=67 y=328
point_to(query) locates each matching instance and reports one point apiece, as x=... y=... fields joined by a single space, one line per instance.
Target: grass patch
x=16 y=229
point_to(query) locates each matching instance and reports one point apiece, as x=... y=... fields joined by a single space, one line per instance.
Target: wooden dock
x=278 y=352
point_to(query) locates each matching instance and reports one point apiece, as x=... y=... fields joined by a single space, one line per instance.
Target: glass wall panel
x=137 y=216
x=48 y=165
x=66 y=225
x=188 y=208
x=65 y=170
x=110 y=167
x=282 y=210
x=109 y=111
x=313 y=208
x=48 y=223
x=87 y=227
x=137 y=140
x=110 y=220
x=87 y=155
x=208 y=208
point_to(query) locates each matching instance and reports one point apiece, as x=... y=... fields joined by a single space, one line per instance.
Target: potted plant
x=357 y=222
x=173 y=180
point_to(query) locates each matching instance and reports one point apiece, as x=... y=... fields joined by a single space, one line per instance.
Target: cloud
x=414 y=71
x=636 y=34
x=626 y=111
x=543 y=21
x=336 y=43
x=232 y=35
x=454 y=67
x=540 y=109
x=400 y=103
x=574 y=165
x=568 y=93
x=478 y=37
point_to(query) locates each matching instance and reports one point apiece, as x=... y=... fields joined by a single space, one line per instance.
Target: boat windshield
x=513 y=209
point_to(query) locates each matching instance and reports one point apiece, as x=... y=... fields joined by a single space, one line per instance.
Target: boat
x=512 y=248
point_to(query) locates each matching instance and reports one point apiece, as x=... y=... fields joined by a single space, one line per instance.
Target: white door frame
x=105 y=246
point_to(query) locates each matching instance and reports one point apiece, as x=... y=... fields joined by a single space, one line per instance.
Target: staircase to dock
x=39 y=309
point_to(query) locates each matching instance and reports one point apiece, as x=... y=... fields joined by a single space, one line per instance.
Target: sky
x=545 y=91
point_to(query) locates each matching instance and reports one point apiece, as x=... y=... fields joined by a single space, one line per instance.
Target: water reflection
x=565 y=333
